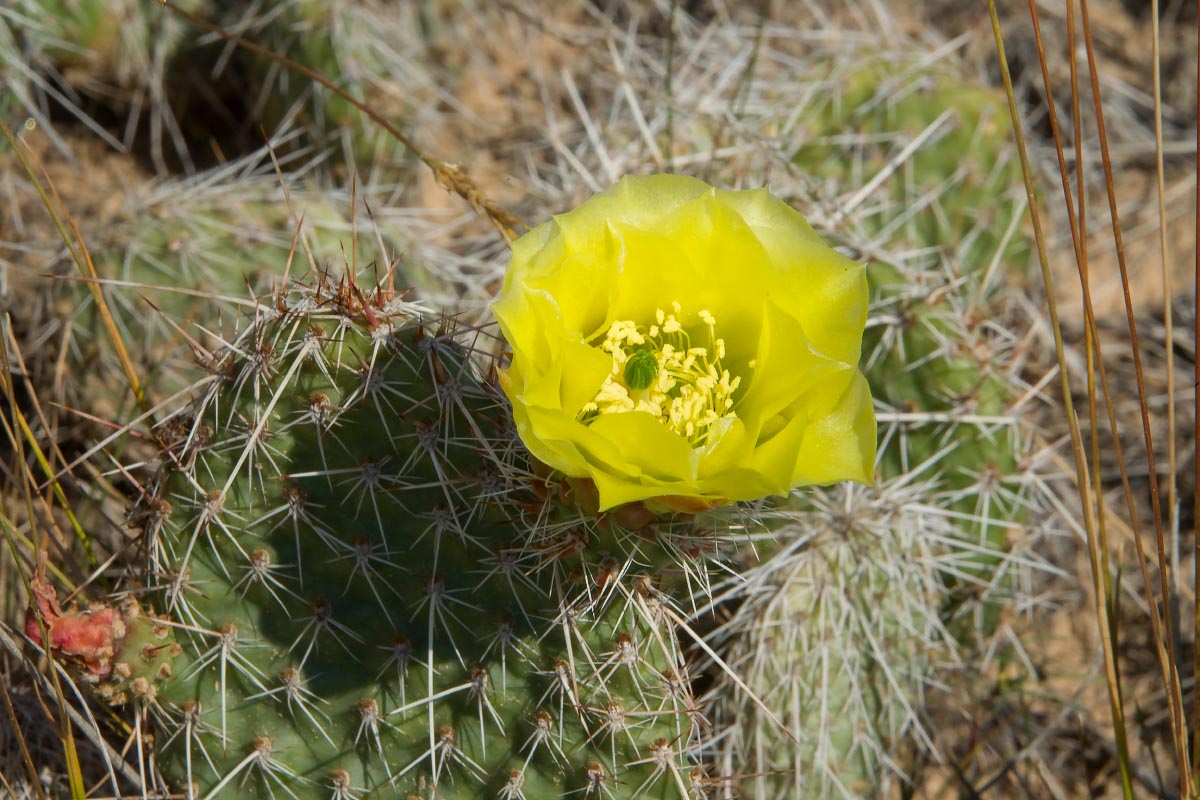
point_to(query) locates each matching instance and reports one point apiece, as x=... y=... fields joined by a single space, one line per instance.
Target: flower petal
x=583 y=285
x=645 y=444
x=841 y=445
x=816 y=283
x=787 y=369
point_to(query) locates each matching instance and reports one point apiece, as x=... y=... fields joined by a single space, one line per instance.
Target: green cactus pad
x=951 y=229
x=374 y=600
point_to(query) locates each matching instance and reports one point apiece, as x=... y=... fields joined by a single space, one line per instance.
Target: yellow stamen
x=689 y=393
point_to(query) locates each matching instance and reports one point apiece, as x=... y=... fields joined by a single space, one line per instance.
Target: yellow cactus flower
x=687 y=346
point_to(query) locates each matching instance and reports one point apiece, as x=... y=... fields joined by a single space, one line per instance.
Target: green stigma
x=640 y=370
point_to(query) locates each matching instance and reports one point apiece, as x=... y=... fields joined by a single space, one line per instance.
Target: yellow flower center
x=657 y=369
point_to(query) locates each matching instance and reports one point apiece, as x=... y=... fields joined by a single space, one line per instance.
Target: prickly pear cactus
x=364 y=47
x=866 y=591
x=375 y=593
x=942 y=234
x=190 y=251
x=87 y=44
x=836 y=632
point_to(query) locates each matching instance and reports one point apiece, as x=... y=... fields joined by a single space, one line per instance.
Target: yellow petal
x=741 y=483
x=841 y=445
x=524 y=249
x=538 y=437
x=729 y=443
x=829 y=295
x=558 y=439
x=528 y=321
x=820 y=287
x=775 y=459
x=643 y=201
x=644 y=443
x=588 y=369
x=787 y=370
x=581 y=281
x=695 y=256
x=617 y=490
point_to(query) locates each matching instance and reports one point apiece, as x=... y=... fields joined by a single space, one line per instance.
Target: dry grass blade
x=46 y=463
x=1159 y=597
x=1196 y=412
x=83 y=260
x=1163 y=629
x=1099 y=573
x=19 y=735
x=1168 y=321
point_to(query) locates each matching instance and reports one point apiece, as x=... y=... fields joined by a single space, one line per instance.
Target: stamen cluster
x=657 y=370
